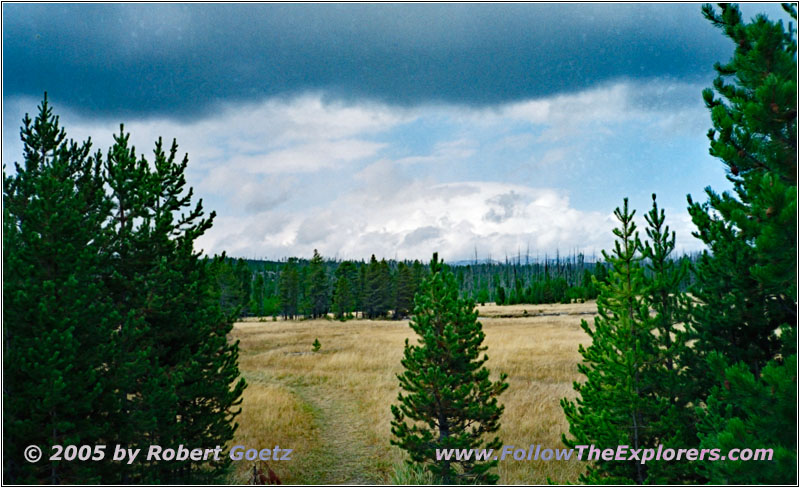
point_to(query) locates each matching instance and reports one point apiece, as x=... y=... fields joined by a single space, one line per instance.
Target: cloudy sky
x=398 y=129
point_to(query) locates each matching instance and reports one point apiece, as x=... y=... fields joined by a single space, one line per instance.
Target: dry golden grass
x=332 y=406
x=272 y=416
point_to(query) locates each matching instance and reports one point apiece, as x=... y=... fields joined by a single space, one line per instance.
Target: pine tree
x=675 y=426
x=386 y=288
x=175 y=372
x=361 y=296
x=447 y=399
x=500 y=295
x=319 y=295
x=601 y=272
x=755 y=413
x=616 y=404
x=663 y=286
x=140 y=404
x=342 y=298
x=289 y=290
x=419 y=274
x=134 y=339
x=257 y=301
x=345 y=290
x=245 y=277
x=230 y=287
x=741 y=367
x=403 y=291
x=57 y=321
x=190 y=327
x=377 y=299
x=482 y=296
x=747 y=282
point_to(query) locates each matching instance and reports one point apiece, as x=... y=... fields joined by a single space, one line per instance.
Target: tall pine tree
x=447 y=399
x=140 y=404
x=744 y=325
x=746 y=282
x=318 y=289
x=289 y=289
x=674 y=425
x=619 y=404
x=101 y=269
x=345 y=290
x=57 y=318
x=403 y=291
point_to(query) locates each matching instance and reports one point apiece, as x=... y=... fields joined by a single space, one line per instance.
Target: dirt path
x=344 y=454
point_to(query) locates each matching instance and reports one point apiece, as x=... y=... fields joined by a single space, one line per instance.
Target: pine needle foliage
x=741 y=372
x=631 y=395
x=447 y=400
x=113 y=328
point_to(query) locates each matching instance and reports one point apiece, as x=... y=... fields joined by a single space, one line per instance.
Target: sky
x=390 y=129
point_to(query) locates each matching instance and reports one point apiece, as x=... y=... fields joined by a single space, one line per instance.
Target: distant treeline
x=300 y=288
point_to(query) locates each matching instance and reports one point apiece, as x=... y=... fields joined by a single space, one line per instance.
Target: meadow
x=332 y=406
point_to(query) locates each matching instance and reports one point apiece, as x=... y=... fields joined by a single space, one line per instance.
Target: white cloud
x=255 y=162
x=304 y=126
x=444 y=152
x=567 y=116
x=308 y=157
x=248 y=155
x=418 y=219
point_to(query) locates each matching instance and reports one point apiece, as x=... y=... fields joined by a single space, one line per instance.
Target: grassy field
x=332 y=406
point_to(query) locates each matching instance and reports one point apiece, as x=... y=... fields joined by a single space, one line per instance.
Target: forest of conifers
x=296 y=287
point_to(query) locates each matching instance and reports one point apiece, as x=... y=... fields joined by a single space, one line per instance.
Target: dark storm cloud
x=177 y=60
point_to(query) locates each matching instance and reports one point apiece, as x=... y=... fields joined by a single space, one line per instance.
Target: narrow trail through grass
x=332 y=406
x=342 y=453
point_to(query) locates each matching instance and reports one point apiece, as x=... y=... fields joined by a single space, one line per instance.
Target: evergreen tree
x=146 y=360
x=663 y=290
x=676 y=425
x=447 y=399
x=386 y=287
x=741 y=367
x=230 y=287
x=418 y=272
x=175 y=373
x=318 y=293
x=57 y=320
x=190 y=328
x=616 y=404
x=483 y=295
x=589 y=288
x=140 y=408
x=404 y=291
x=257 y=301
x=601 y=272
x=303 y=296
x=342 y=298
x=361 y=296
x=371 y=288
x=755 y=413
x=345 y=290
x=378 y=292
x=289 y=290
x=746 y=284
x=500 y=295
x=245 y=277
